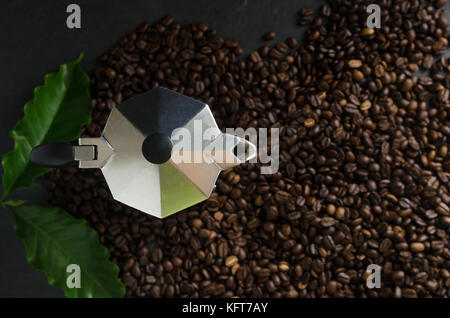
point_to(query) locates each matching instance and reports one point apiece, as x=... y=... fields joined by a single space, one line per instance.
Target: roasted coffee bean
x=364 y=161
x=157 y=255
x=269 y=36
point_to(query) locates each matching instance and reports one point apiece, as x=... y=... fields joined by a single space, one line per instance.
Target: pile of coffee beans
x=364 y=119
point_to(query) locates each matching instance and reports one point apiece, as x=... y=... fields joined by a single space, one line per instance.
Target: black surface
x=35 y=40
x=157 y=148
x=56 y=154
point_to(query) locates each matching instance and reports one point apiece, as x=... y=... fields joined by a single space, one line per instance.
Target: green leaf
x=54 y=239
x=58 y=111
x=14 y=203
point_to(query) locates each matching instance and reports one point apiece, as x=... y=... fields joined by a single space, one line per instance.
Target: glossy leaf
x=54 y=240
x=58 y=111
x=14 y=203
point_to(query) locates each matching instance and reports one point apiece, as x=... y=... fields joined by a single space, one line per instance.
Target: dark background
x=35 y=40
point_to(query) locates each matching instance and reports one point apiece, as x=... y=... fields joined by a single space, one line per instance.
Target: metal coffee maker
x=136 y=152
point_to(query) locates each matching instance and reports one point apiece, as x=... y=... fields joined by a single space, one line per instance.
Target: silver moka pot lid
x=153 y=153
